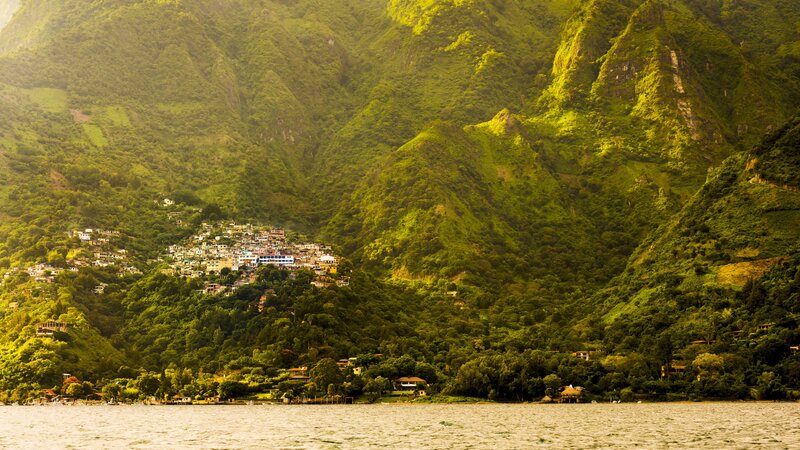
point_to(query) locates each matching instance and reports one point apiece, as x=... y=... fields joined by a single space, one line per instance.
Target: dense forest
x=521 y=195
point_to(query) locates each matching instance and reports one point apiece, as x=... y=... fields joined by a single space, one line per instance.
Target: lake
x=664 y=425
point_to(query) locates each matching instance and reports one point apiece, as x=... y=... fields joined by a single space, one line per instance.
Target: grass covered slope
x=726 y=263
x=277 y=110
x=491 y=164
x=485 y=205
x=224 y=100
x=438 y=60
x=643 y=98
x=678 y=72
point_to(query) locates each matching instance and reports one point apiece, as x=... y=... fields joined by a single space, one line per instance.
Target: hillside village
x=222 y=247
x=91 y=248
x=98 y=249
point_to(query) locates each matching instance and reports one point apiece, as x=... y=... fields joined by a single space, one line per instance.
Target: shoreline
x=278 y=403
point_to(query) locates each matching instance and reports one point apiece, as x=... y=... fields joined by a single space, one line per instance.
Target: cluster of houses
x=300 y=376
x=301 y=373
x=96 y=249
x=244 y=247
x=100 y=251
x=40 y=273
x=43 y=273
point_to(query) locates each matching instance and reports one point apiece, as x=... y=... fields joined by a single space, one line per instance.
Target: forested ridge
x=522 y=196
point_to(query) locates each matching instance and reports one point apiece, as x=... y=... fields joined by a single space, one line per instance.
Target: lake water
x=486 y=426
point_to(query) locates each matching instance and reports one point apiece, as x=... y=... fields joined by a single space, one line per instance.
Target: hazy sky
x=7 y=8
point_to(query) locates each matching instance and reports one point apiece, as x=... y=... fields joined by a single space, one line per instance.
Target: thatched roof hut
x=571 y=394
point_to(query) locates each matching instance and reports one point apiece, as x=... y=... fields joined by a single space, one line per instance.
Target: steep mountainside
x=642 y=99
x=243 y=104
x=716 y=288
x=744 y=224
x=487 y=205
x=539 y=174
x=453 y=60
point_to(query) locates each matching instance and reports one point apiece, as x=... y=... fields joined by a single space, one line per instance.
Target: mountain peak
x=504 y=123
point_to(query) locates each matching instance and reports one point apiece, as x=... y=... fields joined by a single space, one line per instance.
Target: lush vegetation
x=511 y=181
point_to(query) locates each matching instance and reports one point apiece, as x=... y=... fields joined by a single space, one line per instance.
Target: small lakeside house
x=409 y=383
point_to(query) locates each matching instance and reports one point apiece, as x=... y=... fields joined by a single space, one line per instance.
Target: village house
x=213 y=288
x=275 y=259
x=322 y=282
x=298 y=374
x=10 y=273
x=765 y=326
x=216 y=265
x=674 y=368
x=585 y=355
x=100 y=252
x=343 y=363
x=50 y=327
x=409 y=383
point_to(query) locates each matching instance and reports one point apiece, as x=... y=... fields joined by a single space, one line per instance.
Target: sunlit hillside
x=497 y=187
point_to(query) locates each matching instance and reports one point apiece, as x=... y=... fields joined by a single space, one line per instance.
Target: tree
x=770 y=387
x=472 y=378
x=88 y=388
x=67 y=382
x=405 y=365
x=426 y=372
x=181 y=377
x=164 y=386
x=231 y=389
x=325 y=373
x=377 y=386
x=552 y=383
x=112 y=390
x=708 y=364
x=75 y=390
x=147 y=384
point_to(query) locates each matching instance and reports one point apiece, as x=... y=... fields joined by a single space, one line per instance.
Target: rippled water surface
x=700 y=425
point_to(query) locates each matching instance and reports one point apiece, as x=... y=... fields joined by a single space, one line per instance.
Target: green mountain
x=643 y=98
x=579 y=174
x=741 y=226
x=721 y=276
